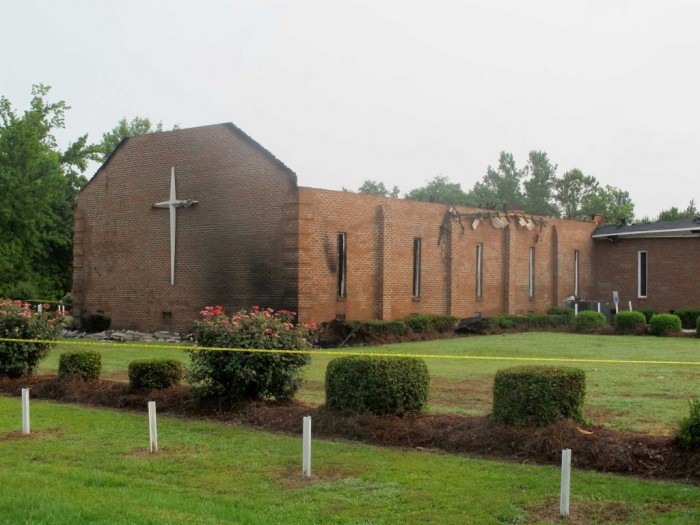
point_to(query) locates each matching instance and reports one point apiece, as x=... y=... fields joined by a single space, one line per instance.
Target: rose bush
x=237 y=376
x=19 y=321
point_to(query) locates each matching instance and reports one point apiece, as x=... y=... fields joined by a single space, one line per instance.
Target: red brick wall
x=237 y=247
x=380 y=233
x=672 y=272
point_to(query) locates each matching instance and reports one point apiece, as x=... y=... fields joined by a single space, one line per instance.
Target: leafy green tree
x=124 y=129
x=38 y=186
x=371 y=187
x=674 y=214
x=500 y=186
x=441 y=190
x=572 y=190
x=615 y=204
x=539 y=182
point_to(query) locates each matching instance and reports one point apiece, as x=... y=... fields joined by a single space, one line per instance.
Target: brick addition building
x=178 y=220
x=653 y=265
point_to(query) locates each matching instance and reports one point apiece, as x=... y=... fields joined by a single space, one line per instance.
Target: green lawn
x=639 y=397
x=86 y=466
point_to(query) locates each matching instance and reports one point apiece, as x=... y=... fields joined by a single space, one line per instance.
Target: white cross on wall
x=172 y=204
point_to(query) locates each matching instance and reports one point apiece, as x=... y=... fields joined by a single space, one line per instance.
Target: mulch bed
x=593 y=448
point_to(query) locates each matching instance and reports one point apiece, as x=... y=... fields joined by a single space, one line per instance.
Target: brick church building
x=177 y=220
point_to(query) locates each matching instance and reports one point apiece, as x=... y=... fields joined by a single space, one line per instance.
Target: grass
x=638 y=397
x=84 y=465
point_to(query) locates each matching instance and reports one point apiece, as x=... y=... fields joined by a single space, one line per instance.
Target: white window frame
x=342 y=264
x=479 y=270
x=531 y=274
x=417 y=249
x=639 y=274
x=576 y=270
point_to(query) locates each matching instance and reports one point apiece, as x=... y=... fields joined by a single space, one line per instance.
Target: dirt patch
x=594 y=448
x=592 y=512
x=16 y=435
x=292 y=478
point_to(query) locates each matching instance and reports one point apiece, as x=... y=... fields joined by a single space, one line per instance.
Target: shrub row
x=689 y=317
x=510 y=321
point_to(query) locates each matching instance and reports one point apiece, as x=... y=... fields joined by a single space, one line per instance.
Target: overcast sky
x=396 y=91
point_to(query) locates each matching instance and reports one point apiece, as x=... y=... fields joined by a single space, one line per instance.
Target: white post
x=306 y=448
x=598 y=307
x=152 y=426
x=630 y=306
x=40 y=308
x=25 y=411
x=565 y=483
x=576 y=309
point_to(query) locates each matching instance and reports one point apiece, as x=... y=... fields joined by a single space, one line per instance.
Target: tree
x=371 y=187
x=38 y=186
x=500 y=187
x=572 y=190
x=441 y=190
x=614 y=203
x=124 y=129
x=674 y=214
x=539 y=181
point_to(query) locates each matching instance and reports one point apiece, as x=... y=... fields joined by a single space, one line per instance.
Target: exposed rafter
x=495 y=218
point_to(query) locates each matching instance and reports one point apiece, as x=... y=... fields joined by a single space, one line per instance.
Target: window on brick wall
x=576 y=266
x=479 y=270
x=641 y=274
x=342 y=264
x=416 y=267
x=531 y=274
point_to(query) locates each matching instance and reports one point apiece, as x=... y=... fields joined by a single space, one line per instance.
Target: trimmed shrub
x=664 y=324
x=689 y=317
x=18 y=321
x=629 y=321
x=566 y=315
x=156 y=374
x=534 y=321
x=689 y=431
x=83 y=364
x=537 y=396
x=376 y=385
x=587 y=320
x=94 y=323
x=238 y=376
x=431 y=323
x=648 y=313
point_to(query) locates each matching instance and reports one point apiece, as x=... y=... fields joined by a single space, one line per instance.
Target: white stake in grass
x=152 y=426
x=565 y=483
x=630 y=306
x=306 y=448
x=25 y=411
x=576 y=309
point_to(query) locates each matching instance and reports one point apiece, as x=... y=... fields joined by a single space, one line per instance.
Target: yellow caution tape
x=337 y=353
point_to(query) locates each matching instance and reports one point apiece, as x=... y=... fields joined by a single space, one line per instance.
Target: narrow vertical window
x=576 y=263
x=531 y=273
x=416 y=267
x=642 y=274
x=479 y=259
x=342 y=264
